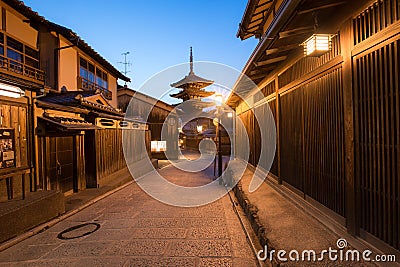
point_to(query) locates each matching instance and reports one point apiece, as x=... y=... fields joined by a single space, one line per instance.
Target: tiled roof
x=66 y=98
x=77 y=99
x=36 y=20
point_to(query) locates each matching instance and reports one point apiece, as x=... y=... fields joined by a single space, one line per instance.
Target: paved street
x=132 y=229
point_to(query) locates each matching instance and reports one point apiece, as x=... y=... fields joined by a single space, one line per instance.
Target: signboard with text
x=7 y=148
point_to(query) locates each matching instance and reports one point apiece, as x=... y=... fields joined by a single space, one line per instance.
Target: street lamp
x=219 y=101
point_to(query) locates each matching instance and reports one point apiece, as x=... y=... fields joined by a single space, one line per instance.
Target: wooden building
x=155 y=113
x=80 y=141
x=20 y=80
x=336 y=111
x=81 y=88
x=74 y=114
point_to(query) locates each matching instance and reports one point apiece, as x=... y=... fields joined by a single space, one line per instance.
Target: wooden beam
x=259 y=76
x=263 y=4
x=296 y=31
x=270 y=10
x=262 y=70
x=269 y=61
x=282 y=49
x=255 y=22
x=264 y=10
x=304 y=11
x=352 y=200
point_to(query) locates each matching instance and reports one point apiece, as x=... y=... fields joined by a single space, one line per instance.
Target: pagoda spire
x=192 y=85
x=191 y=60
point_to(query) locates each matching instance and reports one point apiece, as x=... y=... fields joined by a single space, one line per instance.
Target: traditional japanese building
x=77 y=115
x=21 y=79
x=192 y=87
x=328 y=71
x=60 y=129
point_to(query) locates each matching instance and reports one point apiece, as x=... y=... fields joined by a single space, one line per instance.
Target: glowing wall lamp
x=317 y=45
x=11 y=91
x=218 y=99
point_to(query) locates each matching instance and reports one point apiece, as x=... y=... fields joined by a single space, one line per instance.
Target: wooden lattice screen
x=377 y=139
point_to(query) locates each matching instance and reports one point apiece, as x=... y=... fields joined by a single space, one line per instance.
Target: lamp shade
x=218 y=98
x=317 y=45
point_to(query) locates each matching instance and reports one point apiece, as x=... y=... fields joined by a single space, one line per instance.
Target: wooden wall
x=14 y=114
x=377 y=133
x=109 y=150
x=338 y=121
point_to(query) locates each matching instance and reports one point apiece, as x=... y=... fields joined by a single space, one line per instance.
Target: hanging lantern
x=317 y=45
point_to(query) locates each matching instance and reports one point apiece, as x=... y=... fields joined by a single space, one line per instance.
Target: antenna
x=126 y=64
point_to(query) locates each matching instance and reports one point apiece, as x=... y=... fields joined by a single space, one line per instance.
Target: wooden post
x=278 y=143
x=23 y=185
x=346 y=43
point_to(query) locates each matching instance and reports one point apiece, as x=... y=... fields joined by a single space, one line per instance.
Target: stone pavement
x=284 y=223
x=129 y=228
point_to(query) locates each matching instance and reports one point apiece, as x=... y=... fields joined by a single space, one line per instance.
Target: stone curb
x=251 y=212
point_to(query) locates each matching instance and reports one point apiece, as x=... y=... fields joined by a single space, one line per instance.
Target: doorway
x=61 y=171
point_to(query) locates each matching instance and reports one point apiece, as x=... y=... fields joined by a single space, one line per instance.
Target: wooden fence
x=110 y=155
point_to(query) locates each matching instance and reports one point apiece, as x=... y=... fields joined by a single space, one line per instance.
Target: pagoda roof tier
x=192 y=93
x=192 y=80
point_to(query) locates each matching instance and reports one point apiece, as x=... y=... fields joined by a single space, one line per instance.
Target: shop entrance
x=61 y=167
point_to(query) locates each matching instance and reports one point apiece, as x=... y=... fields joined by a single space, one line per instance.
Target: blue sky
x=157 y=33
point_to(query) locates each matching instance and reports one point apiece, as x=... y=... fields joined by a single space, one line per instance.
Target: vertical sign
x=7 y=148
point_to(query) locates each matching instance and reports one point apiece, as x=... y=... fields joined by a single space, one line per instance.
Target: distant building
x=192 y=87
x=155 y=113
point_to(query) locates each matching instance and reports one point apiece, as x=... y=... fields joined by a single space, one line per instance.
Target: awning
x=68 y=124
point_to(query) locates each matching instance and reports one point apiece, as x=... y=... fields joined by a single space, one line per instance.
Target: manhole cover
x=78 y=231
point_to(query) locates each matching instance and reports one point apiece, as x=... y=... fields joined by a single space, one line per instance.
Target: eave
x=291 y=26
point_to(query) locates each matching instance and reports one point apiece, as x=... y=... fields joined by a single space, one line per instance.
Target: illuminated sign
x=158 y=146
x=10 y=91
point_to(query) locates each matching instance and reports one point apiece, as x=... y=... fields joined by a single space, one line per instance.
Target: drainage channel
x=248 y=237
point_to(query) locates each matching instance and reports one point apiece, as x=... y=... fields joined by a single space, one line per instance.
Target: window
x=15 y=45
x=99 y=77
x=1 y=44
x=19 y=53
x=92 y=74
x=105 y=80
x=93 y=78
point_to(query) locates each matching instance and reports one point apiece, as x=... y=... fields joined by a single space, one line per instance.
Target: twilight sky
x=157 y=33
